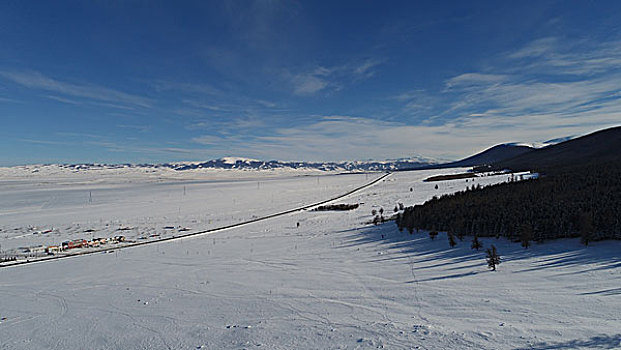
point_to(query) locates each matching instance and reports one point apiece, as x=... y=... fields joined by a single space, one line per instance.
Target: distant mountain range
x=564 y=151
x=253 y=164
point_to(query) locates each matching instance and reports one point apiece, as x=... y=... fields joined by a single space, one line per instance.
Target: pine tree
x=476 y=244
x=586 y=228
x=451 y=239
x=493 y=258
x=399 y=222
x=526 y=235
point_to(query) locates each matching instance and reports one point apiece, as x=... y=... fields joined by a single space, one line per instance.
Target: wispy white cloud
x=331 y=77
x=192 y=88
x=149 y=150
x=93 y=103
x=520 y=98
x=36 y=80
x=63 y=100
x=513 y=100
x=209 y=140
x=4 y=99
x=308 y=84
x=554 y=56
x=345 y=137
x=211 y=107
x=137 y=127
x=475 y=79
x=232 y=125
x=342 y=137
x=536 y=48
x=44 y=142
x=545 y=89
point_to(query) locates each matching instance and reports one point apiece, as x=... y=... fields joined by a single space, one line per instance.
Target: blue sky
x=154 y=81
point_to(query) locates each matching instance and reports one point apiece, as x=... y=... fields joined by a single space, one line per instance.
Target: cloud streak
x=333 y=78
x=535 y=93
x=36 y=80
x=540 y=90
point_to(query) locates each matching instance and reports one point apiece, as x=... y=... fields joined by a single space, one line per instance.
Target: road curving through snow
x=199 y=233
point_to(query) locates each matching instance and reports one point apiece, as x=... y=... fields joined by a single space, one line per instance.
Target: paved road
x=197 y=233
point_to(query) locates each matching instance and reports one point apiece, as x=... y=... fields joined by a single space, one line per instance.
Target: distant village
x=66 y=246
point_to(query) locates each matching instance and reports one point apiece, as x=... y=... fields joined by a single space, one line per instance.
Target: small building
x=37 y=249
x=53 y=249
x=101 y=240
x=76 y=243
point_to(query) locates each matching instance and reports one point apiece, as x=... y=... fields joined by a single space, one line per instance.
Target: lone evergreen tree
x=399 y=222
x=526 y=235
x=586 y=227
x=493 y=258
x=451 y=239
x=376 y=220
x=476 y=244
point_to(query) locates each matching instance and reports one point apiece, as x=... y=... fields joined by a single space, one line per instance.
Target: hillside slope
x=600 y=146
x=493 y=155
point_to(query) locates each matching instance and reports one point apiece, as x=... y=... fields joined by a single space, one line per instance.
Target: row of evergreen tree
x=577 y=201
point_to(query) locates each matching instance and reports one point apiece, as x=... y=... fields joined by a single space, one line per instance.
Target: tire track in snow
x=203 y=232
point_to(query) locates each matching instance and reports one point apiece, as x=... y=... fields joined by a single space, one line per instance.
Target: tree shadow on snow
x=597 y=342
x=419 y=247
x=612 y=291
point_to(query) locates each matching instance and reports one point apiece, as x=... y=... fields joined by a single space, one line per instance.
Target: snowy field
x=52 y=205
x=334 y=282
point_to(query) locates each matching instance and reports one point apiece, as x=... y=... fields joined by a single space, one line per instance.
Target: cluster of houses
x=68 y=245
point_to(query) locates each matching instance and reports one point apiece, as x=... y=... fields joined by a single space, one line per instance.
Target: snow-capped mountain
x=542 y=144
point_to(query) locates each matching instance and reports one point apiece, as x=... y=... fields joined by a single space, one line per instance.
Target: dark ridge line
x=227 y=227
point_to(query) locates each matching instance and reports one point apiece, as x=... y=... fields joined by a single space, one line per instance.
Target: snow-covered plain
x=54 y=204
x=334 y=282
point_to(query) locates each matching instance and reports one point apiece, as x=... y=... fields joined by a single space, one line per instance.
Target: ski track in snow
x=333 y=283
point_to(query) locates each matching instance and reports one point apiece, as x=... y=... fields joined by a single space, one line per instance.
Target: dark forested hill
x=579 y=196
x=601 y=145
x=492 y=155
